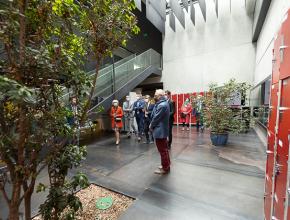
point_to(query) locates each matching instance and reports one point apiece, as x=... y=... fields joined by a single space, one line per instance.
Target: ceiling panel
x=154 y=17
x=202 y=8
x=172 y=20
x=177 y=10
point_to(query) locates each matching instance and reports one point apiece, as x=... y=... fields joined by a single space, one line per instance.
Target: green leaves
x=40 y=188
x=57 y=38
x=14 y=92
x=220 y=116
x=80 y=180
x=109 y=24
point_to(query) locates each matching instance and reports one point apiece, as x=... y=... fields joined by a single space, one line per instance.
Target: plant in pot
x=222 y=114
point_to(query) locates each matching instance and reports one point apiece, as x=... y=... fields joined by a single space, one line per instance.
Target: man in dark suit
x=171 y=117
x=160 y=128
x=139 y=110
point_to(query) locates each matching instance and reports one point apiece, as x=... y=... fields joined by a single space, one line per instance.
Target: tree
x=109 y=24
x=45 y=47
x=220 y=116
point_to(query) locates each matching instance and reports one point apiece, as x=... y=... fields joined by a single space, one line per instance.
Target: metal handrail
x=150 y=51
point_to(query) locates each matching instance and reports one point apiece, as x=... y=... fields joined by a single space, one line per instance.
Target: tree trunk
x=22 y=31
x=14 y=204
x=13 y=212
x=27 y=203
x=27 y=197
x=88 y=104
x=17 y=179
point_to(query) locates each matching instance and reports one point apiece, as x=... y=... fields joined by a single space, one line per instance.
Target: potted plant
x=224 y=113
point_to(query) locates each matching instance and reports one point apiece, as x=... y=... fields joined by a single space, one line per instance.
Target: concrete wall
x=275 y=15
x=212 y=51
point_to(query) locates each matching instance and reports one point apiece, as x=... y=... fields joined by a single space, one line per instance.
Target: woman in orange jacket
x=116 y=115
x=185 y=113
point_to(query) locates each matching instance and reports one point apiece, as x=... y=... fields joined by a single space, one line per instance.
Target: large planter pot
x=219 y=139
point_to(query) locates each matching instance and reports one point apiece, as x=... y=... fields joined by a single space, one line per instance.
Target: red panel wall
x=284 y=49
x=277 y=177
x=179 y=104
x=179 y=100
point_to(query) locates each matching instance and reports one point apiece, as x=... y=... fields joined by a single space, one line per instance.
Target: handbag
x=118 y=119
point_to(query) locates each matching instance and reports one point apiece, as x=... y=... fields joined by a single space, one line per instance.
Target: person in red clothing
x=116 y=115
x=185 y=114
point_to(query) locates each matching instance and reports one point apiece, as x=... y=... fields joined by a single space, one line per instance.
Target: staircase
x=115 y=83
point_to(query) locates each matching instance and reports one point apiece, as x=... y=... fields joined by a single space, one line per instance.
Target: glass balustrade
x=111 y=79
x=125 y=72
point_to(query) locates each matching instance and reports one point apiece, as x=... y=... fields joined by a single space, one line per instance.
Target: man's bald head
x=158 y=94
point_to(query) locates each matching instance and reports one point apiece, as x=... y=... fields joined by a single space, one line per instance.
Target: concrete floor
x=205 y=182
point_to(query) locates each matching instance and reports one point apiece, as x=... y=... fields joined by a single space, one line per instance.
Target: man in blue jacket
x=139 y=109
x=160 y=127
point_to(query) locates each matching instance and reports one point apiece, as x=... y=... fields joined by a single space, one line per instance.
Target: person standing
x=72 y=118
x=116 y=115
x=171 y=116
x=199 y=113
x=128 y=117
x=139 y=110
x=149 y=106
x=185 y=114
x=160 y=128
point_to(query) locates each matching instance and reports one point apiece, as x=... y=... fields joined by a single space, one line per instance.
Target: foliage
x=108 y=24
x=61 y=193
x=45 y=45
x=219 y=115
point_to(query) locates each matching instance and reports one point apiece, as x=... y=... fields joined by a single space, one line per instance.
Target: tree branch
x=86 y=108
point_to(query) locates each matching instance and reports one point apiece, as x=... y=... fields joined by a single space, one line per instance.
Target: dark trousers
x=148 y=133
x=140 y=123
x=171 y=121
x=164 y=154
x=199 y=121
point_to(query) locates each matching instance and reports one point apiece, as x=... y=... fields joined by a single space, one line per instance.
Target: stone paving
x=205 y=182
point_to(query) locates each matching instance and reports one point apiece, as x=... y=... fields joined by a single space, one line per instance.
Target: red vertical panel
x=276 y=58
x=281 y=67
x=273 y=108
x=174 y=99
x=269 y=194
x=186 y=96
x=280 y=185
x=270 y=151
x=269 y=175
x=285 y=49
x=282 y=150
x=179 y=104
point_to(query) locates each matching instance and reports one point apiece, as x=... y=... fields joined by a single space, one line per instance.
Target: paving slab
x=205 y=182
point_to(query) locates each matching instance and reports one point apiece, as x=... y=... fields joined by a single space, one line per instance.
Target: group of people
x=141 y=112
x=188 y=110
x=154 y=117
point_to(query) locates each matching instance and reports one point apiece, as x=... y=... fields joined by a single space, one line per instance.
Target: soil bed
x=90 y=195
